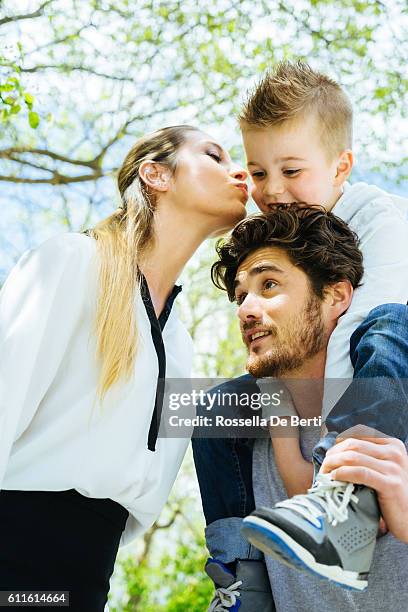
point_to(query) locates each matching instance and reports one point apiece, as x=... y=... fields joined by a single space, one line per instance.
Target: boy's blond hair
x=293 y=90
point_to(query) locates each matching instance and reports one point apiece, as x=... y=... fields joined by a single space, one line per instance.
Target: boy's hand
x=379 y=463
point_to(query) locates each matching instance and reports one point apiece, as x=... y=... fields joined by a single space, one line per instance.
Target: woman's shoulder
x=69 y=242
x=66 y=250
x=69 y=255
x=62 y=262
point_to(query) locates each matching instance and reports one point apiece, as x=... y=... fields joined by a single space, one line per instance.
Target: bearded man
x=292 y=274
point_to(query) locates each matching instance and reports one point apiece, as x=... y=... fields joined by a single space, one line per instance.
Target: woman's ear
x=155 y=175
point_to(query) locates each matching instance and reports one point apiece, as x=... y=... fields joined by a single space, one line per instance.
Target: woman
x=87 y=330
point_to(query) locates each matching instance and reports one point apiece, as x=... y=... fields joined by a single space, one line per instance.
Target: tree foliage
x=164 y=571
x=176 y=584
x=116 y=69
x=80 y=80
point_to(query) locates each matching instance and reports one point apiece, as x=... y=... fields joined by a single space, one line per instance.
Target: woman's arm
x=41 y=303
x=379 y=463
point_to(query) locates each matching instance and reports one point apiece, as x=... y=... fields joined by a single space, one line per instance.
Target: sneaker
x=246 y=590
x=330 y=531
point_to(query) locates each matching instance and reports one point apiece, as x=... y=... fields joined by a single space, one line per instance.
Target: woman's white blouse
x=53 y=435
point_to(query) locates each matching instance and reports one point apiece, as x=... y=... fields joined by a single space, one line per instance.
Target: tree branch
x=27 y=163
x=38 y=13
x=11 y=151
x=58 y=41
x=177 y=512
x=56 y=179
x=94 y=164
x=304 y=23
x=66 y=68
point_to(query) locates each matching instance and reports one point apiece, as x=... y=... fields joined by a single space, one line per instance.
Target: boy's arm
x=295 y=471
x=383 y=234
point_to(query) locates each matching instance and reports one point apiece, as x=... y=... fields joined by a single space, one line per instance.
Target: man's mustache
x=272 y=329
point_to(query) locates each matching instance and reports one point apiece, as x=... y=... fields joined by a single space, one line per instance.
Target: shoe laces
x=225 y=597
x=331 y=496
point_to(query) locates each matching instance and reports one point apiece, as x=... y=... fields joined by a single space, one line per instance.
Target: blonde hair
x=293 y=90
x=123 y=240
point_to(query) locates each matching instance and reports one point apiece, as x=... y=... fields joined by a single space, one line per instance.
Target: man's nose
x=250 y=309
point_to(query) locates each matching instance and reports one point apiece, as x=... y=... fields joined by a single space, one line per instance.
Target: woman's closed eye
x=216 y=156
x=291 y=171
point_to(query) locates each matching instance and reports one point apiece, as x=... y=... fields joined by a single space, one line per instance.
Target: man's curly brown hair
x=317 y=241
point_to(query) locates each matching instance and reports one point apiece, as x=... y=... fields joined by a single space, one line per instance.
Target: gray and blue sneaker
x=330 y=531
x=245 y=590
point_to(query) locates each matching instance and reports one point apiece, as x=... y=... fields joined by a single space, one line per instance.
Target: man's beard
x=302 y=338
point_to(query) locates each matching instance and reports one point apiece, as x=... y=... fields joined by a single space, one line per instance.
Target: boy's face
x=288 y=163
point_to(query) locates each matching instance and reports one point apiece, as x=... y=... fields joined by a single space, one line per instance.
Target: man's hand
x=379 y=463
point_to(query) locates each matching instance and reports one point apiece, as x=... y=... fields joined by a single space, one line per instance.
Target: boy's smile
x=288 y=163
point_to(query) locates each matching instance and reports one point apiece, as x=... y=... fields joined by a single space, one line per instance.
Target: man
x=292 y=274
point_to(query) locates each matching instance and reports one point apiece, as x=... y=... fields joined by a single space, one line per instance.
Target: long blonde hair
x=123 y=239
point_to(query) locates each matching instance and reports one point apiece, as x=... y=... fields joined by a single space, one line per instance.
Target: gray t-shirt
x=294 y=591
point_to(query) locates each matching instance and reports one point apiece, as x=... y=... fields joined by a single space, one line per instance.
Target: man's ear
x=344 y=167
x=338 y=298
x=155 y=175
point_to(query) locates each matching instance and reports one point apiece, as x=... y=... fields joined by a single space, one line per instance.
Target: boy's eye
x=214 y=155
x=291 y=171
x=258 y=174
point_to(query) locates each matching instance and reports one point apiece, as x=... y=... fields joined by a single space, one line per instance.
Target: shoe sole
x=276 y=543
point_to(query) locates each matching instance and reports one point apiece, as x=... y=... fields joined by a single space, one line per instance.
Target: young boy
x=297 y=132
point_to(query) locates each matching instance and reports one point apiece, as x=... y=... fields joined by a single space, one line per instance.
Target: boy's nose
x=273 y=188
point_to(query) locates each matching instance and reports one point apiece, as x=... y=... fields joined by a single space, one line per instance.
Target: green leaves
x=29 y=100
x=114 y=70
x=174 y=583
x=13 y=95
x=33 y=119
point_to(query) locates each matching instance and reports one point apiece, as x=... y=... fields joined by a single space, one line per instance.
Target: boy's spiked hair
x=293 y=90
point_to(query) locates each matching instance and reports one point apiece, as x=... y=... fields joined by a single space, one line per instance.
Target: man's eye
x=214 y=156
x=291 y=172
x=240 y=298
x=269 y=284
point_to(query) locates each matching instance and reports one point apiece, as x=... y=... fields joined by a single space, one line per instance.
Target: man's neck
x=306 y=385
